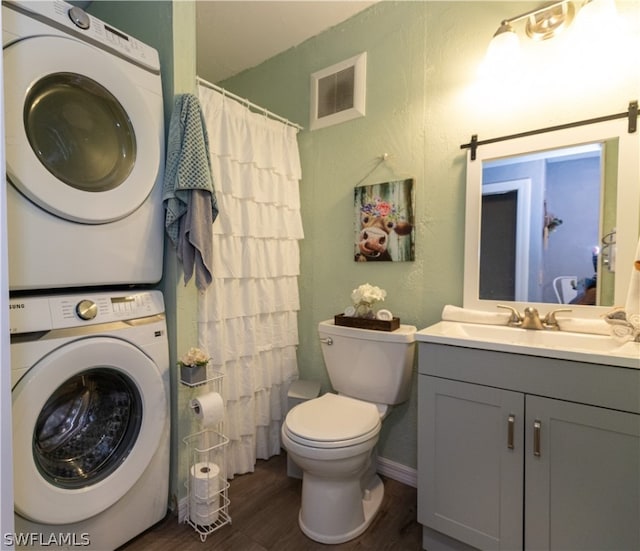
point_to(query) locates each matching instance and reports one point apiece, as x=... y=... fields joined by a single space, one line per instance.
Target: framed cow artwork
x=384 y=222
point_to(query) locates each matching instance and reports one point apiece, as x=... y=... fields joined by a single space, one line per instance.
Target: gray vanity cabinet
x=469 y=478
x=581 y=491
x=511 y=458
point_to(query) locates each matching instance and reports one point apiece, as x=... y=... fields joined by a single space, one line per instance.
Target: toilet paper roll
x=205 y=481
x=204 y=514
x=208 y=409
x=204 y=499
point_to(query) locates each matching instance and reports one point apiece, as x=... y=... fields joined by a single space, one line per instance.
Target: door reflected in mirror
x=542 y=218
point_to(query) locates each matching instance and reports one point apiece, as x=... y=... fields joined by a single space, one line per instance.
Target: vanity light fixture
x=541 y=24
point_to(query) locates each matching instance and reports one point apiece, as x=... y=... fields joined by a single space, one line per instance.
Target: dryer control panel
x=36 y=313
x=76 y=22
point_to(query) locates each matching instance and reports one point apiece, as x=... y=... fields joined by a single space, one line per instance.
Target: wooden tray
x=365 y=323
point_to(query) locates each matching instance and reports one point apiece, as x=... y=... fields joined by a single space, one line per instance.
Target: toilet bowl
x=331 y=438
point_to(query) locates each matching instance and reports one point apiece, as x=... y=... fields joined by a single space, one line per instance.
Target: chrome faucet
x=531 y=319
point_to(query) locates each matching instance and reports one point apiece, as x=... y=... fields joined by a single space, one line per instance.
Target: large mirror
x=553 y=219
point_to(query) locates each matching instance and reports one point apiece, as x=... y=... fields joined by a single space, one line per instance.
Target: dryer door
x=81 y=140
x=87 y=420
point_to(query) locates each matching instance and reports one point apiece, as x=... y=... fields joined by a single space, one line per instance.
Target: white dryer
x=84 y=149
x=90 y=394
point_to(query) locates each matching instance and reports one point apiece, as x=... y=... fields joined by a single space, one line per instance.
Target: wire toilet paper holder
x=207 y=501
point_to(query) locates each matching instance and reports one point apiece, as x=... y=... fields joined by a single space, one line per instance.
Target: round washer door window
x=87 y=428
x=82 y=141
x=79 y=132
x=87 y=420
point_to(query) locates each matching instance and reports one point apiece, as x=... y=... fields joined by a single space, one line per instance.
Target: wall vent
x=338 y=92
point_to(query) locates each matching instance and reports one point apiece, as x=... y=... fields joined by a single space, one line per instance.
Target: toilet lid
x=332 y=418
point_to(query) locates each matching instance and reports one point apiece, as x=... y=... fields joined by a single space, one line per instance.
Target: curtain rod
x=631 y=114
x=246 y=102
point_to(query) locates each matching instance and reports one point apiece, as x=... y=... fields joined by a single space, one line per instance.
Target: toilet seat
x=332 y=421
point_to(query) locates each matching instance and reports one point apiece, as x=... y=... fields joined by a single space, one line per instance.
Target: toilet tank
x=369 y=365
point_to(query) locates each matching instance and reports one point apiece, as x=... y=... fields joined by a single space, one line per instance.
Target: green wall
x=424 y=99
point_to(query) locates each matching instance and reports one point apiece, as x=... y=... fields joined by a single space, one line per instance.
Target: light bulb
x=503 y=51
x=595 y=16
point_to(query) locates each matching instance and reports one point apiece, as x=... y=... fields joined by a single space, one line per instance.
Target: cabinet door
x=582 y=477
x=470 y=457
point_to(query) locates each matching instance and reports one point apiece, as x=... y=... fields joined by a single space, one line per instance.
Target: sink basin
x=583 y=347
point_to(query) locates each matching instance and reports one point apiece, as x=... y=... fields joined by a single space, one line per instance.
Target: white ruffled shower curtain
x=247 y=318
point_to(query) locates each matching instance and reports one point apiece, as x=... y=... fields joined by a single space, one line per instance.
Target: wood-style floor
x=264 y=512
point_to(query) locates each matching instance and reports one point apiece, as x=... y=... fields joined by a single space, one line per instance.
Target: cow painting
x=384 y=222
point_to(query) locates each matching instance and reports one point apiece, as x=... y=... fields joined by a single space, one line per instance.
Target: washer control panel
x=44 y=313
x=79 y=17
x=75 y=21
x=86 y=309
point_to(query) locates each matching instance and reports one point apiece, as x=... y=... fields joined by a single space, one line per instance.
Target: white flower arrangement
x=194 y=358
x=367 y=294
x=363 y=298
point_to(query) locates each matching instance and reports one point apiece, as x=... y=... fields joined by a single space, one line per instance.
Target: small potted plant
x=193 y=367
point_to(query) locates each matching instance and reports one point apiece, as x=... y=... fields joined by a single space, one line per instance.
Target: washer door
x=87 y=420
x=81 y=141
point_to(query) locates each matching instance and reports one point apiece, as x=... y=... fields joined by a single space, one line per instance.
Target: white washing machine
x=90 y=394
x=84 y=149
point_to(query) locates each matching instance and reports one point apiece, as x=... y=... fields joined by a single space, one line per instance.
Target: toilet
x=332 y=438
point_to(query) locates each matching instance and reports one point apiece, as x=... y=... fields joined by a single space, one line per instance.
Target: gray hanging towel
x=194 y=242
x=188 y=192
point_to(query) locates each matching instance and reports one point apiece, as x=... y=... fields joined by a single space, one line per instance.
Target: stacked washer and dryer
x=89 y=348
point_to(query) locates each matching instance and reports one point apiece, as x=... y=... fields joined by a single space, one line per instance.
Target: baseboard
x=398 y=472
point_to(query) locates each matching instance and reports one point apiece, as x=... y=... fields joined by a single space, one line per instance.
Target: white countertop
x=565 y=345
